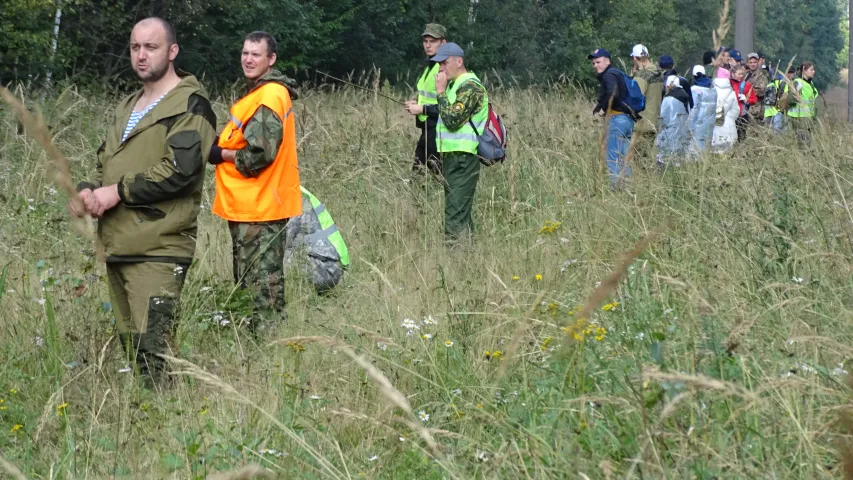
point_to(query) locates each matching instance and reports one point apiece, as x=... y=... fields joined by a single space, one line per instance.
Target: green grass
x=722 y=359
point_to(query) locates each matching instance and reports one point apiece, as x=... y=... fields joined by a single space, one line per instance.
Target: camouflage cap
x=434 y=30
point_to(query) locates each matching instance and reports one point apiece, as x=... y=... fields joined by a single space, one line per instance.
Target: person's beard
x=154 y=74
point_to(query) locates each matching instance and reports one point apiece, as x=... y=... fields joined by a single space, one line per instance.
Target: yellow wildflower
x=203 y=411
x=487 y=355
x=17 y=427
x=578 y=329
x=13 y=391
x=479 y=405
x=497 y=354
x=296 y=347
x=545 y=344
x=550 y=226
x=144 y=406
x=600 y=333
x=538 y=277
x=610 y=306
x=515 y=278
x=60 y=409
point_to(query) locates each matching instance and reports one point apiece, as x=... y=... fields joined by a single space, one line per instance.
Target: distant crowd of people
x=711 y=111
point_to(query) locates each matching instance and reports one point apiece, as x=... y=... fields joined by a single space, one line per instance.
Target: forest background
x=523 y=41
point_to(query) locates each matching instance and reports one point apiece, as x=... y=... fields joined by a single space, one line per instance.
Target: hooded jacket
x=673 y=134
x=726 y=114
x=650 y=79
x=701 y=119
x=159 y=169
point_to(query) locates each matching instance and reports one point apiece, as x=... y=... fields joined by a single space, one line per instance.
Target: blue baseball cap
x=666 y=61
x=598 y=53
x=446 y=51
x=735 y=54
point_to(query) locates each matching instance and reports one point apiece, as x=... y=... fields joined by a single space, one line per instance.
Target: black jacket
x=682 y=96
x=611 y=84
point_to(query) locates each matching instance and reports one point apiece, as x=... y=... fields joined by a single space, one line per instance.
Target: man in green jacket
x=426 y=106
x=649 y=77
x=463 y=110
x=147 y=194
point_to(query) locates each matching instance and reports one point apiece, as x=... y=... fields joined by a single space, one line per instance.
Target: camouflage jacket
x=263 y=132
x=159 y=170
x=469 y=100
x=759 y=80
x=650 y=79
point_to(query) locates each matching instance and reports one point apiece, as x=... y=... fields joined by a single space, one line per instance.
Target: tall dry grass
x=717 y=350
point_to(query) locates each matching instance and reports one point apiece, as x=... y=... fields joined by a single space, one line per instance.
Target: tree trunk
x=55 y=42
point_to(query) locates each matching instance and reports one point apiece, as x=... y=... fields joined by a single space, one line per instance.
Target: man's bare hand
x=413 y=107
x=105 y=198
x=441 y=82
x=78 y=209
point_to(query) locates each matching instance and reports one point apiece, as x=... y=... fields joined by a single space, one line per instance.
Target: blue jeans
x=618 y=140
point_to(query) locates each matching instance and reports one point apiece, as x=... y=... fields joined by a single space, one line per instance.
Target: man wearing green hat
x=426 y=106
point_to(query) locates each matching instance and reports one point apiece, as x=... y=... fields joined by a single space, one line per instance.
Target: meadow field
x=696 y=326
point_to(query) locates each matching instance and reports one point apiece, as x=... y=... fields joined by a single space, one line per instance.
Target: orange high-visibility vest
x=275 y=193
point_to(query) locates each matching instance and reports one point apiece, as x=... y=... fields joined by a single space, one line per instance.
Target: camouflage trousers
x=258 y=253
x=145 y=298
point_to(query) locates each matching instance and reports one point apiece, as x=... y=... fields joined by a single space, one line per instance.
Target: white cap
x=698 y=69
x=640 y=50
x=672 y=81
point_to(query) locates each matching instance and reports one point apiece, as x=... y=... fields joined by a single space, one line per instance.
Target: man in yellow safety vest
x=463 y=107
x=426 y=106
x=803 y=105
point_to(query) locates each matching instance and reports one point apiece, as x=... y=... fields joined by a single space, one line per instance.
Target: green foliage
x=524 y=41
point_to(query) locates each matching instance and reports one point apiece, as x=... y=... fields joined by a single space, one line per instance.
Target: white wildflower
x=38 y=341
x=806 y=368
x=839 y=370
x=457 y=391
x=381 y=346
x=42 y=301
x=427 y=336
x=482 y=456
x=52 y=191
x=373 y=458
x=224 y=323
x=448 y=343
x=410 y=326
x=124 y=370
x=205 y=289
x=316 y=397
x=797 y=279
x=270 y=451
x=429 y=321
x=423 y=416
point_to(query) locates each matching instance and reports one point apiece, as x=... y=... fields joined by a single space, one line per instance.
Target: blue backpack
x=634 y=98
